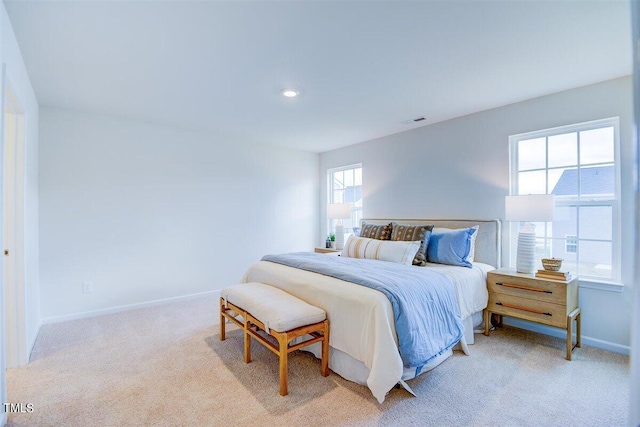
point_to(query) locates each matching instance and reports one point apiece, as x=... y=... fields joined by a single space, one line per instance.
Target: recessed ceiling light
x=290 y=93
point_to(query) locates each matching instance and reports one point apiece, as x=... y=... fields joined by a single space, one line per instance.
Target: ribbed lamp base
x=526 y=253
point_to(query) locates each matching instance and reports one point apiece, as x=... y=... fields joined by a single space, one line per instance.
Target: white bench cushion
x=274 y=307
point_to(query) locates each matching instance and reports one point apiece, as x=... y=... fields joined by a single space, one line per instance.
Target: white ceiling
x=362 y=67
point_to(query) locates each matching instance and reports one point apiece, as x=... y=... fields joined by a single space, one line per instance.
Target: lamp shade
x=338 y=211
x=529 y=208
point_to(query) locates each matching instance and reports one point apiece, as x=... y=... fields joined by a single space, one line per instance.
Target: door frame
x=13 y=178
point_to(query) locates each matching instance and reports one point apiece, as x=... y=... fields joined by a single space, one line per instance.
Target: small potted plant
x=332 y=237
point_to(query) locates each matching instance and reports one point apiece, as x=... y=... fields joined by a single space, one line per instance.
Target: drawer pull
x=523 y=309
x=524 y=288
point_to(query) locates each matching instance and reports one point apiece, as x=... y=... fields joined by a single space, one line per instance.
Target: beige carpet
x=165 y=366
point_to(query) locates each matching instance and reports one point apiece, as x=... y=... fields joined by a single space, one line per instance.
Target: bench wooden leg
x=283 y=342
x=325 y=350
x=247 y=340
x=222 y=321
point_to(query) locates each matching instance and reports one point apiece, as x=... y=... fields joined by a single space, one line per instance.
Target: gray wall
x=460 y=169
x=148 y=212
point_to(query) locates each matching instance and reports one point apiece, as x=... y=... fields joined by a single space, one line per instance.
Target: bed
x=364 y=341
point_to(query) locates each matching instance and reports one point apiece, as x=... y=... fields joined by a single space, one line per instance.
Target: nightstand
x=327 y=250
x=526 y=297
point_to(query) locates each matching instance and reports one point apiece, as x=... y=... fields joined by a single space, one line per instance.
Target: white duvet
x=361 y=318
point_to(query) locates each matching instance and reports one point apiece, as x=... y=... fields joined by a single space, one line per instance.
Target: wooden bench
x=279 y=314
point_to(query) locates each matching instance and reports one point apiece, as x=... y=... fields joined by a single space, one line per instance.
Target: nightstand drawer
x=528 y=309
x=551 y=292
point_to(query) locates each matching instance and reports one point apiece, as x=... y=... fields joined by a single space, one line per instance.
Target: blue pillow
x=451 y=247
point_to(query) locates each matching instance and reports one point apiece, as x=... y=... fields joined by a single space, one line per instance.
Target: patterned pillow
x=379 y=232
x=411 y=233
x=383 y=250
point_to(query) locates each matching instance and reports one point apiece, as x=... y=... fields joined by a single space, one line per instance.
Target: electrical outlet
x=87 y=287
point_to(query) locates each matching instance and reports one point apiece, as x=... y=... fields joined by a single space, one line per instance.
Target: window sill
x=601 y=285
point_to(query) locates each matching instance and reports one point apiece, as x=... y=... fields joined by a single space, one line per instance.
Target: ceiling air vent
x=412 y=121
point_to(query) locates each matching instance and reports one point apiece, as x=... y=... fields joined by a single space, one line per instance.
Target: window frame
x=331 y=191
x=579 y=201
x=573 y=243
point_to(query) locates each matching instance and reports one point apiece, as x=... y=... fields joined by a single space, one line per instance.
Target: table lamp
x=528 y=209
x=339 y=211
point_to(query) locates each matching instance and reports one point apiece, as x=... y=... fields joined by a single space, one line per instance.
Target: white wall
x=460 y=169
x=634 y=413
x=17 y=76
x=148 y=212
x=3 y=350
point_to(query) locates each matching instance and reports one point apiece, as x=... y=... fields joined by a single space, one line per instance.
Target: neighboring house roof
x=352 y=193
x=596 y=180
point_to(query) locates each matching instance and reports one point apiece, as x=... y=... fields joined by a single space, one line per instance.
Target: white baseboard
x=560 y=333
x=127 y=307
x=32 y=344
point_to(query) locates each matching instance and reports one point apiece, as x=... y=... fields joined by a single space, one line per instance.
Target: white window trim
x=616 y=267
x=330 y=173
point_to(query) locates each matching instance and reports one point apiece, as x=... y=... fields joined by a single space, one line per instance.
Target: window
x=579 y=165
x=571 y=244
x=345 y=186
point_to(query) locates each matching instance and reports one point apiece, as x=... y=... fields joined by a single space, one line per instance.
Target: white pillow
x=383 y=250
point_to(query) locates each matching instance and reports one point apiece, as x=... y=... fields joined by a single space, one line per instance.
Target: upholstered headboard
x=488 y=241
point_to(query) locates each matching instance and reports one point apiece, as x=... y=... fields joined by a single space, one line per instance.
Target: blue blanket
x=426 y=312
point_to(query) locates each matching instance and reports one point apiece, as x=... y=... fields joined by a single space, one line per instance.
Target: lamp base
x=339 y=236
x=526 y=252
